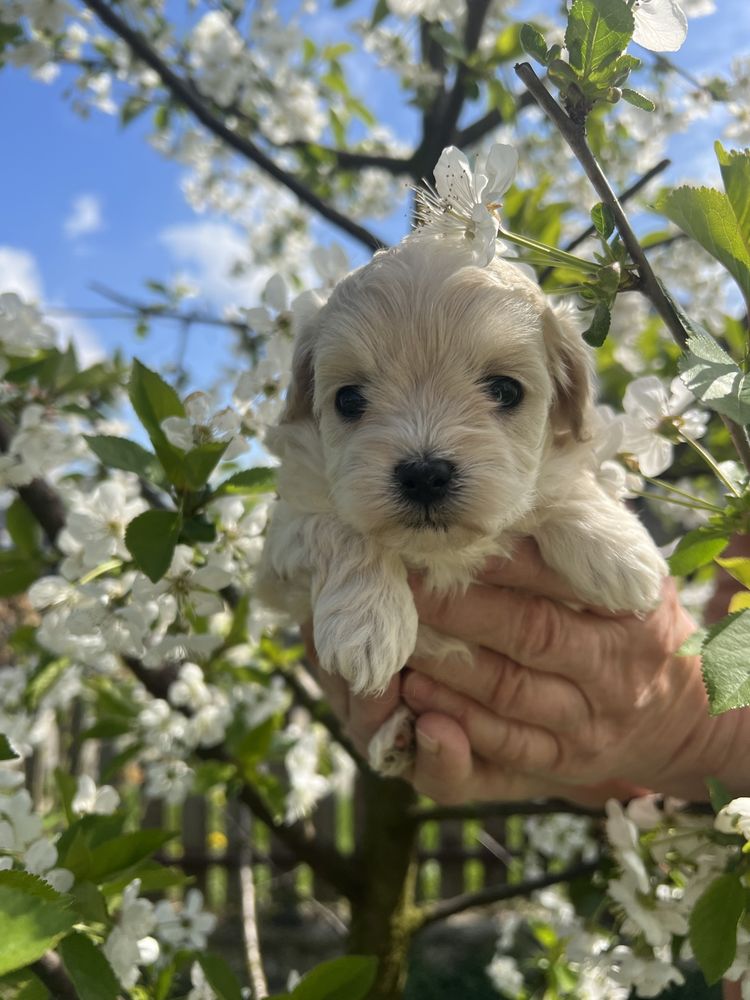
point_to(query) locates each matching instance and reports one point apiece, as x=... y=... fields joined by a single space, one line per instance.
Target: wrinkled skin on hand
x=578 y=704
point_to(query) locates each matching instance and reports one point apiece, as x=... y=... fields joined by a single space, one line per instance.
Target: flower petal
x=500 y=168
x=454 y=180
x=660 y=25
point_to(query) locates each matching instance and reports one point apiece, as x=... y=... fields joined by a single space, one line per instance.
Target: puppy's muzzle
x=426 y=481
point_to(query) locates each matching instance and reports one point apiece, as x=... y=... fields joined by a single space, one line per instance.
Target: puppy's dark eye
x=350 y=402
x=503 y=390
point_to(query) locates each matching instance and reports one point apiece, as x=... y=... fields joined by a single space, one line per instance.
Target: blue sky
x=146 y=228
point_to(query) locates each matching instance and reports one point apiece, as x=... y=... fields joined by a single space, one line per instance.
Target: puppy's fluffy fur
x=420 y=330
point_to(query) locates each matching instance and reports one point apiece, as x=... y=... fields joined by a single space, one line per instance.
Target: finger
x=534 y=631
x=526 y=570
x=511 y=690
x=447 y=772
x=505 y=742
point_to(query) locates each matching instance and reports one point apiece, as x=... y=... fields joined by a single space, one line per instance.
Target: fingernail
x=427 y=743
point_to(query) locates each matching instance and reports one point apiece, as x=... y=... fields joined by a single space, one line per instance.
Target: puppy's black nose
x=425 y=481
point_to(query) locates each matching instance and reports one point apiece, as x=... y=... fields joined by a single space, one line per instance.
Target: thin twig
x=253 y=956
x=575 y=136
x=182 y=92
x=432 y=912
x=626 y=195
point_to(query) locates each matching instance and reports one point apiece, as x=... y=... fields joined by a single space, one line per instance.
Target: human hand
x=577 y=704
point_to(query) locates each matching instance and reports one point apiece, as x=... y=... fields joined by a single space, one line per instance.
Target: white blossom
x=201 y=425
x=89 y=799
x=649 y=409
x=466 y=199
x=505 y=975
x=200 y=986
x=734 y=817
x=187 y=926
x=128 y=944
x=306 y=785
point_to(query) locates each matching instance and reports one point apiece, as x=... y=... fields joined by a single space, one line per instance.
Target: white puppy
x=437 y=411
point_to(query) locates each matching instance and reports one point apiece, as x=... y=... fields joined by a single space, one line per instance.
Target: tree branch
x=51 y=971
x=430 y=913
x=489 y=121
x=476 y=13
x=491 y=810
x=352 y=160
x=575 y=136
x=181 y=91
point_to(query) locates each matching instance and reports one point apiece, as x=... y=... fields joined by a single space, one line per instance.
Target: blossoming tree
x=138 y=560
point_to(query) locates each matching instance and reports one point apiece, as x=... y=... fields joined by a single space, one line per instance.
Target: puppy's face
x=433 y=386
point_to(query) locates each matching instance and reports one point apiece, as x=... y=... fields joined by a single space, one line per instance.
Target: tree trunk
x=382 y=914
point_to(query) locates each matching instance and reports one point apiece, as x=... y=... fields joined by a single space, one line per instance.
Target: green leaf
x=103 y=861
x=348 y=978
x=250 y=481
x=89 y=903
x=599 y=328
x=153 y=400
x=718 y=793
x=697 y=548
x=6 y=750
x=598 y=31
x=23 y=985
x=712 y=375
x=17 y=572
x=533 y=43
x=120 y=453
x=706 y=215
x=637 y=100
x=197 y=529
x=201 y=462
x=726 y=665
x=735 y=172
x=220 y=977
x=694 y=643
x=131 y=108
x=89 y=970
x=151 y=538
x=603 y=219
x=737 y=567
x=713 y=925
x=23 y=528
x=33 y=918
x=380 y=11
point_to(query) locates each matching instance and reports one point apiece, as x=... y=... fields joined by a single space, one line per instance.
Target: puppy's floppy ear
x=299 y=396
x=571 y=369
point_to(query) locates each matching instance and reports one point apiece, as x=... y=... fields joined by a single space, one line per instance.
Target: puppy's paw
x=366 y=642
x=624 y=575
x=392 y=749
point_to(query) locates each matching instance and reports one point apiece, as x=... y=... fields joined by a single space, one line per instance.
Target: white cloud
x=85 y=216
x=19 y=273
x=210 y=253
